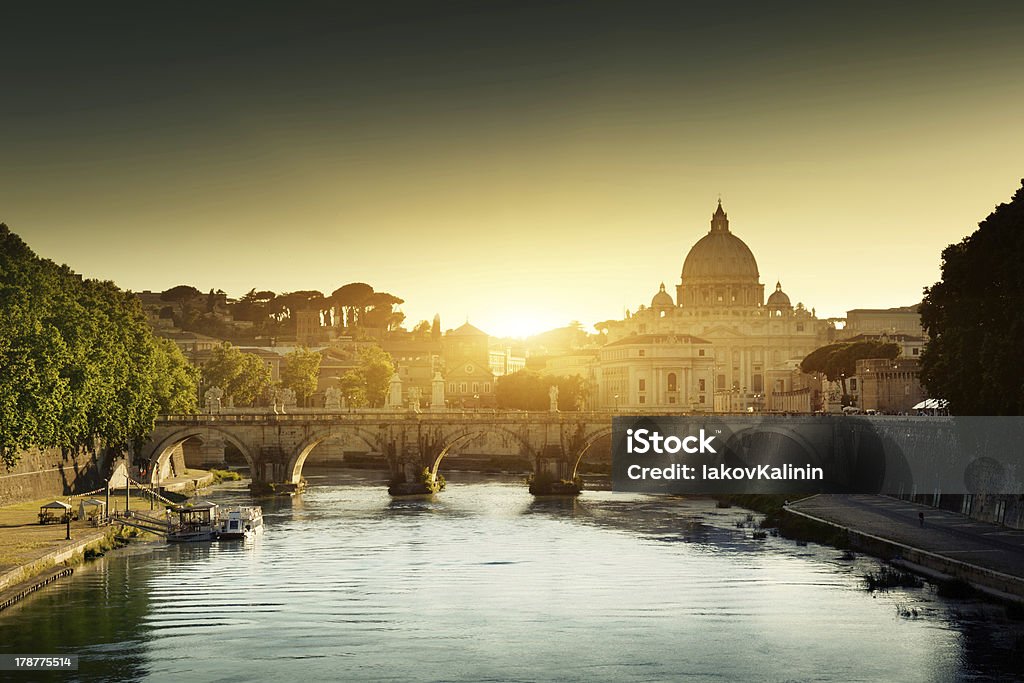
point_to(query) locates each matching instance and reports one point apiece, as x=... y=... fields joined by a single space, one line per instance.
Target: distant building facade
x=719 y=310
x=889 y=386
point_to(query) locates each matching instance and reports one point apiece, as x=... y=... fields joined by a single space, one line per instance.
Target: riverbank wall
x=51 y=472
x=995 y=583
x=20 y=581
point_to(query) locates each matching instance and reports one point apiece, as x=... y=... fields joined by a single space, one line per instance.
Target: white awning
x=932 y=404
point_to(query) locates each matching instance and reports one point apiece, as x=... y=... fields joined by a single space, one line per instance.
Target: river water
x=486 y=583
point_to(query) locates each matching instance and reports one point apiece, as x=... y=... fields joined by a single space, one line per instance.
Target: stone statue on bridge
x=213 y=397
x=288 y=398
x=332 y=398
x=553 y=399
x=414 y=398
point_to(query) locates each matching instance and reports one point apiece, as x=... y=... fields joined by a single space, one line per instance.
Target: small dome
x=662 y=298
x=778 y=297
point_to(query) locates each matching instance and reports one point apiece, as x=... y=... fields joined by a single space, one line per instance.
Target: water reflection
x=485 y=582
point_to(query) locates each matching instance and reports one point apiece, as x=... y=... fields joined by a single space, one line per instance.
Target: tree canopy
x=78 y=360
x=838 y=362
x=974 y=317
x=366 y=385
x=529 y=390
x=243 y=377
x=301 y=372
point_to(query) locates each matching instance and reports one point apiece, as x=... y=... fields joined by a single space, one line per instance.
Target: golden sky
x=517 y=164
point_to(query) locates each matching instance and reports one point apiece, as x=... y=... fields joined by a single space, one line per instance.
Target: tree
x=79 y=360
x=522 y=390
x=242 y=376
x=572 y=392
x=301 y=373
x=351 y=300
x=974 y=317
x=421 y=331
x=367 y=384
x=381 y=312
x=176 y=381
x=838 y=362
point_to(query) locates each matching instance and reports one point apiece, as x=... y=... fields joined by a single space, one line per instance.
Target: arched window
x=672 y=381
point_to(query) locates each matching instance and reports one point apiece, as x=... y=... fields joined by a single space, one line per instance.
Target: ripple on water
x=486 y=583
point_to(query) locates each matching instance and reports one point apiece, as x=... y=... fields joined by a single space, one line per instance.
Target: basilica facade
x=719 y=345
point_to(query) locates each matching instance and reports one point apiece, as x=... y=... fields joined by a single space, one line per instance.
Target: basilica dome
x=662 y=299
x=778 y=297
x=720 y=256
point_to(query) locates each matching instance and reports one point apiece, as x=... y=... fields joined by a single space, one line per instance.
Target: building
x=719 y=309
x=889 y=386
x=663 y=372
x=903 y=320
x=911 y=345
x=469 y=381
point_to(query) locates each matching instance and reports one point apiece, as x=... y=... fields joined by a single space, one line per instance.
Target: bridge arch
x=787 y=433
x=468 y=433
x=589 y=439
x=159 y=454
x=293 y=474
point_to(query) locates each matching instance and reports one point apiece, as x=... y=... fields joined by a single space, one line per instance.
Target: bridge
x=276 y=446
x=903 y=455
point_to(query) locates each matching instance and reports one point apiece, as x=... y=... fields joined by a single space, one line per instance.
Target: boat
x=243 y=521
x=196 y=522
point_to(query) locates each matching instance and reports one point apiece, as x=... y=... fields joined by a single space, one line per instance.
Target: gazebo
x=56 y=512
x=92 y=510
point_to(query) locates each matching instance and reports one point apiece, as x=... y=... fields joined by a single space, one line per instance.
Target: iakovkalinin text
x=643 y=441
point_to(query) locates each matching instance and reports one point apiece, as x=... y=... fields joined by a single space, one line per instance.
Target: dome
x=778 y=297
x=720 y=255
x=662 y=298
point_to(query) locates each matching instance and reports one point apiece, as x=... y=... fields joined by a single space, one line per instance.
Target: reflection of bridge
x=276 y=446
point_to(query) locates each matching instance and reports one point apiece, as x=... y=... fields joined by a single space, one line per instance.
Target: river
x=486 y=583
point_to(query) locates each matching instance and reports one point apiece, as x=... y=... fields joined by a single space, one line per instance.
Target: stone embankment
x=937 y=543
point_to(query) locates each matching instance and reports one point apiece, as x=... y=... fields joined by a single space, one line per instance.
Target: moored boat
x=243 y=521
x=196 y=522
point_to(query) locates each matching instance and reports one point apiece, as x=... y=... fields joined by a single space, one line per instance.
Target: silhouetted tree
x=974 y=317
x=351 y=300
x=838 y=362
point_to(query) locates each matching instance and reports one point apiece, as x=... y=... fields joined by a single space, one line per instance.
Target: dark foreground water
x=485 y=583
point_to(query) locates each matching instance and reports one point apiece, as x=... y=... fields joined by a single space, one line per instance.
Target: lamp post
x=67 y=519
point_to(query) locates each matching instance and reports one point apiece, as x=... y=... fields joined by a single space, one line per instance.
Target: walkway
x=948 y=534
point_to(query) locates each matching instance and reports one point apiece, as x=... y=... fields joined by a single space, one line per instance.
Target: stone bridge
x=907 y=455
x=276 y=446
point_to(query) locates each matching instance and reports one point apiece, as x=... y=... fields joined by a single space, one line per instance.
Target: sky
x=518 y=165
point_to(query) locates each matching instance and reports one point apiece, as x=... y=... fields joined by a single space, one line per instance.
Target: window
x=799 y=327
x=643 y=399
x=700 y=352
x=643 y=385
x=720 y=382
x=451 y=387
x=701 y=399
x=642 y=353
x=672 y=381
x=476 y=387
x=487 y=387
x=462 y=387
x=671 y=399
x=853 y=384
x=701 y=385
x=915 y=351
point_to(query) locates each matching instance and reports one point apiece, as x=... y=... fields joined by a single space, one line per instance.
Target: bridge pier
x=553 y=475
x=411 y=475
